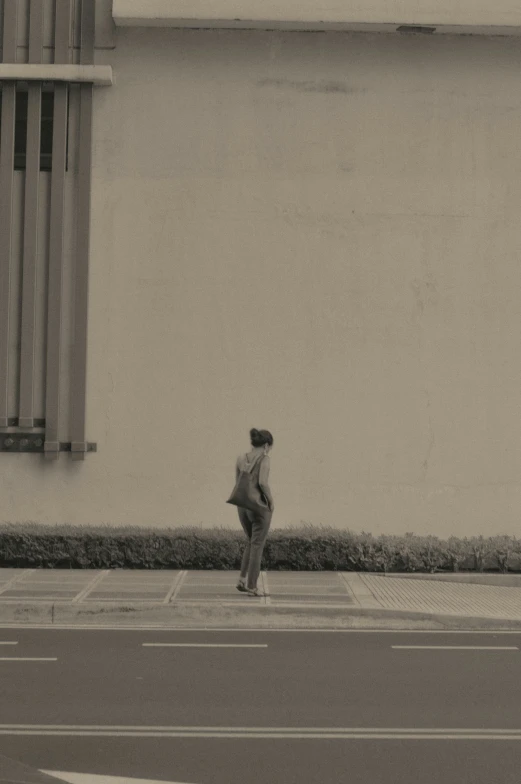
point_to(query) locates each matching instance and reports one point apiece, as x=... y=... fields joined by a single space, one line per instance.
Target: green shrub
x=305 y=547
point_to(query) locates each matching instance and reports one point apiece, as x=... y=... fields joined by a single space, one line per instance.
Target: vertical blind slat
x=81 y=274
x=62 y=30
x=56 y=235
x=81 y=279
x=87 y=32
x=30 y=253
x=30 y=237
x=7 y=128
x=10 y=32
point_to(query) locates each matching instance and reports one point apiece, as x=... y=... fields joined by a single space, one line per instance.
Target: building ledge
x=92 y=74
x=478 y=17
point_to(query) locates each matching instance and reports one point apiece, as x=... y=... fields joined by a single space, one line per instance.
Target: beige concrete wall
x=316 y=13
x=315 y=234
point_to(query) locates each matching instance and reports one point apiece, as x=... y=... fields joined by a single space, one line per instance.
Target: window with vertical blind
x=46 y=128
x=45 y=222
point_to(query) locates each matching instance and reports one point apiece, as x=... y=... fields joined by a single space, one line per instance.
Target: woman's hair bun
x=260 y=437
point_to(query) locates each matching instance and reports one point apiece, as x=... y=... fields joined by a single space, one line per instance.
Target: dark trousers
x=256 y=526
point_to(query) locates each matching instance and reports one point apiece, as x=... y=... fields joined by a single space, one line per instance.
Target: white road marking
x=455 y=647
x=175 y=587
x=38 y=598
x=25 y=658
x=91 y=778
x=7 y=642
x=266 y=587
x=198 y=645
x=293 y=733
x=15 y=580
x=90 y=586
x=78 y=582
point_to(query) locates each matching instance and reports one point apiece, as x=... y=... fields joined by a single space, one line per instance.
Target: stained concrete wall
x=284 y=13
x=316 y=234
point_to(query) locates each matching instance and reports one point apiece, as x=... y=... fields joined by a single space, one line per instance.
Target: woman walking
x=254 y=501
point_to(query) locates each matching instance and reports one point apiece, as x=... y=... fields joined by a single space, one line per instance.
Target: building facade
x=304 y=219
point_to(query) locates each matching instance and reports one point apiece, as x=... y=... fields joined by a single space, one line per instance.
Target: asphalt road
x=229 y=707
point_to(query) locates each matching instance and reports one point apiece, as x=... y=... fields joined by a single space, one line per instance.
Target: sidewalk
x=295 y=599
x=13 y=772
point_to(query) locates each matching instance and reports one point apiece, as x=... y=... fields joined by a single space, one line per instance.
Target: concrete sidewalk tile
x=208 y=588
x=131 y=589
x=37 y=589
x=40 y=586
x=199 y=596
x=27 y=593
x=131 y=584
x=329 y=590
x=175 y=587
x=299 y=575
x=161 y=575
x=312 y=598
x=14 y=579
x=96 y=579
x=315 y=585
x=56 y=575
x=135 y=578
x=210 y=574
x=60 y=575
x=265 y=584
x=118 y=596
x=362 y=594
x=211 y=597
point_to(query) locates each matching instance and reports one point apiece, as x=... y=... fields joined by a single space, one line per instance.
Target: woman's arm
x=263 y=481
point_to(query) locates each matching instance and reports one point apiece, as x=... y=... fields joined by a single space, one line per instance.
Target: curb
x=15 y=771
x=135 y=615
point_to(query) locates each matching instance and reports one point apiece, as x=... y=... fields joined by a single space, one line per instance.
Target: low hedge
x=304 y=548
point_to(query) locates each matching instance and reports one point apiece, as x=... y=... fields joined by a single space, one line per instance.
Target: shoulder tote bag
x=247 y=493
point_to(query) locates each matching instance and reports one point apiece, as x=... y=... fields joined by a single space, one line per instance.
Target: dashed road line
x=455 y=647
x=199 y=645
x=26 y=658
